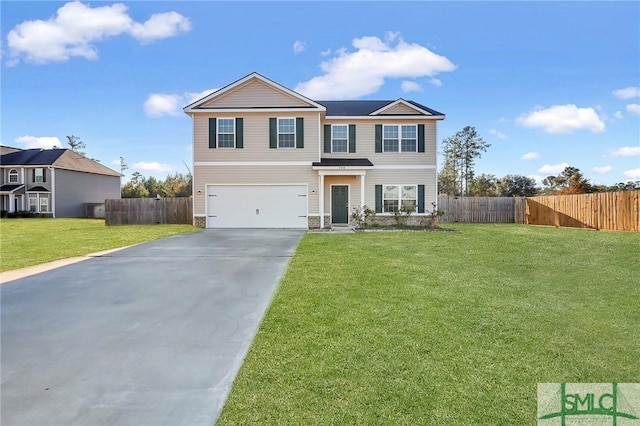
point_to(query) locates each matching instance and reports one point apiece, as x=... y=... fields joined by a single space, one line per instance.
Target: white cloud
x=537 y=178
x=633 y=109
x=632 y=174
x=159 y=104
x=191 y=97
x=627 y=92
x=410 y=86
x=75 y=28
x=530 y=156
x=561 y=119
x=46 y=142
x=601 y=170
x=299 y=46
x=163 y=104
x=626 y=151
x=152 y=167
x=435 y=82
x=326 y=52
x=160 y=26
x=350 y=75
x=497 y=134
x=553 y=169
x=618 y=115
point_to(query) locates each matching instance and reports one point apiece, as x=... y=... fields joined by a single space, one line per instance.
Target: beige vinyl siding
x=253 y=175
x=254 y=94
x=400 y=109
x=256 y=139
x=354 y=190
x=427 y=178
x=366 y=143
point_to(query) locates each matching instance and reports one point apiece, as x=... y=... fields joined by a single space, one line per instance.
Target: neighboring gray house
x=58 y=182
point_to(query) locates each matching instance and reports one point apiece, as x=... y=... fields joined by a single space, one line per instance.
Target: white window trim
x=33 y=197
x=218 y=133
x=13 y=172
x=399 y=199
x=295 y=136
x=347 y=139
x=399 y=126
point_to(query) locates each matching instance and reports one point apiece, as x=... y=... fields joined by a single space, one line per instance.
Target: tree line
x=457 y=174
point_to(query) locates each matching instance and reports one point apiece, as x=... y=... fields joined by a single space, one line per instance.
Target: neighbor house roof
x=364 y=108
x=58 y=158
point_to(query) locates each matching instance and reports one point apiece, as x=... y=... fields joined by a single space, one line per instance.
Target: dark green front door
x=340 y=204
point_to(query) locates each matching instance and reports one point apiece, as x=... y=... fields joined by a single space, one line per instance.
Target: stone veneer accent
x=410 y=221
x=200 y=222
x=314 y=222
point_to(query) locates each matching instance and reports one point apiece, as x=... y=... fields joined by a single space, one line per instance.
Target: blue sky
x=548 y=84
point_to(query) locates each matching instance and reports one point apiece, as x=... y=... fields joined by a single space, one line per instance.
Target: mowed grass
x=411 y=328
x=27 y=242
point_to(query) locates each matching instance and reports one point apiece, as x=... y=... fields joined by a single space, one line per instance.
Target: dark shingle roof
x=10 y=187
x=343 y=162
x=38 y=189
x=363 y=108
x=31 y=157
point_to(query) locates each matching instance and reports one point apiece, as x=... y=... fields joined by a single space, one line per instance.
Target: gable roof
x=58 y=158
x=371 y=107
x=297 y=100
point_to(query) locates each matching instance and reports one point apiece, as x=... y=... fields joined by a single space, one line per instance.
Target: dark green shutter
x=378 y=198
x=378 y=137
x=352 y=138
x=212 y=133
x=299 y=132
x=327 y=138
x=33 y=172
x=273 y=133
x=44 y=175
x=239 y=133
x=420 y=198
x=420 y=137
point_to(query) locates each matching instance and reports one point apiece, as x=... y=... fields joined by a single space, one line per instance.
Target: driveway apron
x=150 y=335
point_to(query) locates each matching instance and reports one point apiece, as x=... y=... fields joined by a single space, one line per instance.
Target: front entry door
x=340 y=204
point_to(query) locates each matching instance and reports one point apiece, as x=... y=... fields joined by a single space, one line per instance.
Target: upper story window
x=226 y=133
x=13 y=176
x=38 y=175
x=339 y=138
x=400 y=138
x=286 y=133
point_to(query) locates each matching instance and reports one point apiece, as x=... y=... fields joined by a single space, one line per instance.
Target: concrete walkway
x=150 y=335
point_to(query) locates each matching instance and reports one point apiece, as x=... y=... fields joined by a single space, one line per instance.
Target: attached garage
x=257 y=206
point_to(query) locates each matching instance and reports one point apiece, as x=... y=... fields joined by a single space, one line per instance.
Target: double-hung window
x=226 y=133
x=44 y=204
x=286 y=132
x=38 y=175
x=339 y=138
x=400 y=138
x=33 y=203
x=399 y=198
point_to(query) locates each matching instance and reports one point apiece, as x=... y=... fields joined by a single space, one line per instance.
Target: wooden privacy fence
x=132 y=211
x=482 y=209
x=611 y=211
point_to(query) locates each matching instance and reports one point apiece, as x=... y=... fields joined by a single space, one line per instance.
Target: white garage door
x=257 y=206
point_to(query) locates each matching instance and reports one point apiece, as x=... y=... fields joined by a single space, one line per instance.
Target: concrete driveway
x=150 y=335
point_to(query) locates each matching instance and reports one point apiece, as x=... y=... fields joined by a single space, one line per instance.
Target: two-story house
x=265 y=156
x=56 y=182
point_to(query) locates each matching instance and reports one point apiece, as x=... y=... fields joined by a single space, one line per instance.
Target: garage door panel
x=257 y=206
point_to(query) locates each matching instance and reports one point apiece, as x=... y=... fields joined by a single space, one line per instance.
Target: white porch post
x=362 y=191
x=321 y=197
x=12 y=202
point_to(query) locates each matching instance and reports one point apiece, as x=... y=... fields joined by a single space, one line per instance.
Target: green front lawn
x=441 y=328
x=27 y=242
